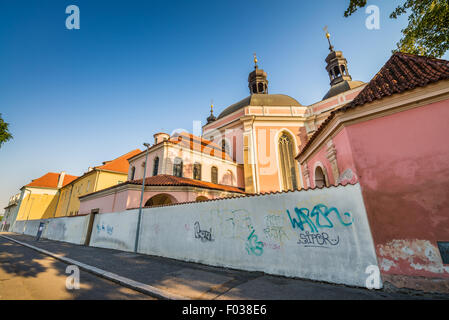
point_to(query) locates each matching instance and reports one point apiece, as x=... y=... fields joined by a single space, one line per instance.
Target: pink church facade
x=393 y=142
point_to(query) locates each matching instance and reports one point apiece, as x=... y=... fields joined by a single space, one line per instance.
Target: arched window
x=214 y=174
x=133 y=173
x=197 y=171
x=320 y=178
x=177 y=167
x=286 y=155
x=155 y=166
x=228 y=178
x=261 y=87
x=337 y=71
x=159 y=199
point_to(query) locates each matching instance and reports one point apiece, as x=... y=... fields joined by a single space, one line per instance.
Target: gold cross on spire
x=331 y=48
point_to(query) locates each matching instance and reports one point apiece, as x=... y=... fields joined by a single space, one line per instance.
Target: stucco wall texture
x=271 y=233
x=402 y=162
x=68 y=229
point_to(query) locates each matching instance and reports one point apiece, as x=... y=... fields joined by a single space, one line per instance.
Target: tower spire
x=337 y=66
x=211 y=118
x=328 y=36
x=257 y=79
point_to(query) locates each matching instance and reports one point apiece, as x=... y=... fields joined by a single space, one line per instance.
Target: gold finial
x=331 y=48
x=211 y=106
x=255 y=60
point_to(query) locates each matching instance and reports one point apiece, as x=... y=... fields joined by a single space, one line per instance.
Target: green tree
x=4 y=133
x=427 y=32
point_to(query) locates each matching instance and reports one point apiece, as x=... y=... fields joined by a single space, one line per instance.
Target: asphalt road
x=28 y=275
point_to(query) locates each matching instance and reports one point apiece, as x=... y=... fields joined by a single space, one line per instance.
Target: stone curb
x=126 y=282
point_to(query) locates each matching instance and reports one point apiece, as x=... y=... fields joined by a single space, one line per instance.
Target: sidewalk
x=172 y=279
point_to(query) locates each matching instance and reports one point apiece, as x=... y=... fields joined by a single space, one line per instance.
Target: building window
x=155 y=166
x=286 y=154
x=133 y=173
x=320 y=178
x=177 y=167
x=197 y=171
x=224 y=146
x=214 y=175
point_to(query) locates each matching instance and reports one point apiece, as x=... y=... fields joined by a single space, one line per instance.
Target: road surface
x=26 y=274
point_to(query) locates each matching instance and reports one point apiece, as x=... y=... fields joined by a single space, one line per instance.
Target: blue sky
x=75 y=98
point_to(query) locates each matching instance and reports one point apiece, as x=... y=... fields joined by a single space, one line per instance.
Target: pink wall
x=345 y=161
x=402 y=162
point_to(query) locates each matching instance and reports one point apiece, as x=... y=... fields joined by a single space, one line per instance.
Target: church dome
x=256 y=99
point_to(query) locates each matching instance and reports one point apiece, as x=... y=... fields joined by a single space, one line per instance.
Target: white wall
x=68 y=229
x=115 y=230
x=255 y=233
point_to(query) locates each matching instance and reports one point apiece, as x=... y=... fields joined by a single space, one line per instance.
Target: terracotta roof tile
x=119 y=164
x=402 y=72
x=50 y=180
x=168 y=180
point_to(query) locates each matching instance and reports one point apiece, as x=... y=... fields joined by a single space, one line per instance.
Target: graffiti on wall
x=319 y=217
x=203 y=235
x=274 y=228
x=235 y=224
x=317 y=240
x=253 y=246
x=102 y=228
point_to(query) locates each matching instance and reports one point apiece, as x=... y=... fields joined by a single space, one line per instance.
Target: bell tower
x=257 y=80
x=211 y=118
x=337 y=66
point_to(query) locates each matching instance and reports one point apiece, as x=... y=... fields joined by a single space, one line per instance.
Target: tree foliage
x=4 y=133
x=427 y=32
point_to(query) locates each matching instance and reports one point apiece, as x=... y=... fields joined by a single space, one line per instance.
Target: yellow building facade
x=109 y=174
x=38 y=199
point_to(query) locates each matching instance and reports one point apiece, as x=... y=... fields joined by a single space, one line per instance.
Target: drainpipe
x=147 y=145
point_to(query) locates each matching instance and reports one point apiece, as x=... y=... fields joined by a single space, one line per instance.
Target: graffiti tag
x=204 y=235
x=108 y=229
x=274 y=228
x=252 y=245
x=321 y=240
x=321 y=213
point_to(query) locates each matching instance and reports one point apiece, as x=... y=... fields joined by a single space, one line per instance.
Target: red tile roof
x=119 y=164
x=402 y=72
x=168 y=180
x=192 y=142
x=50 y=180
